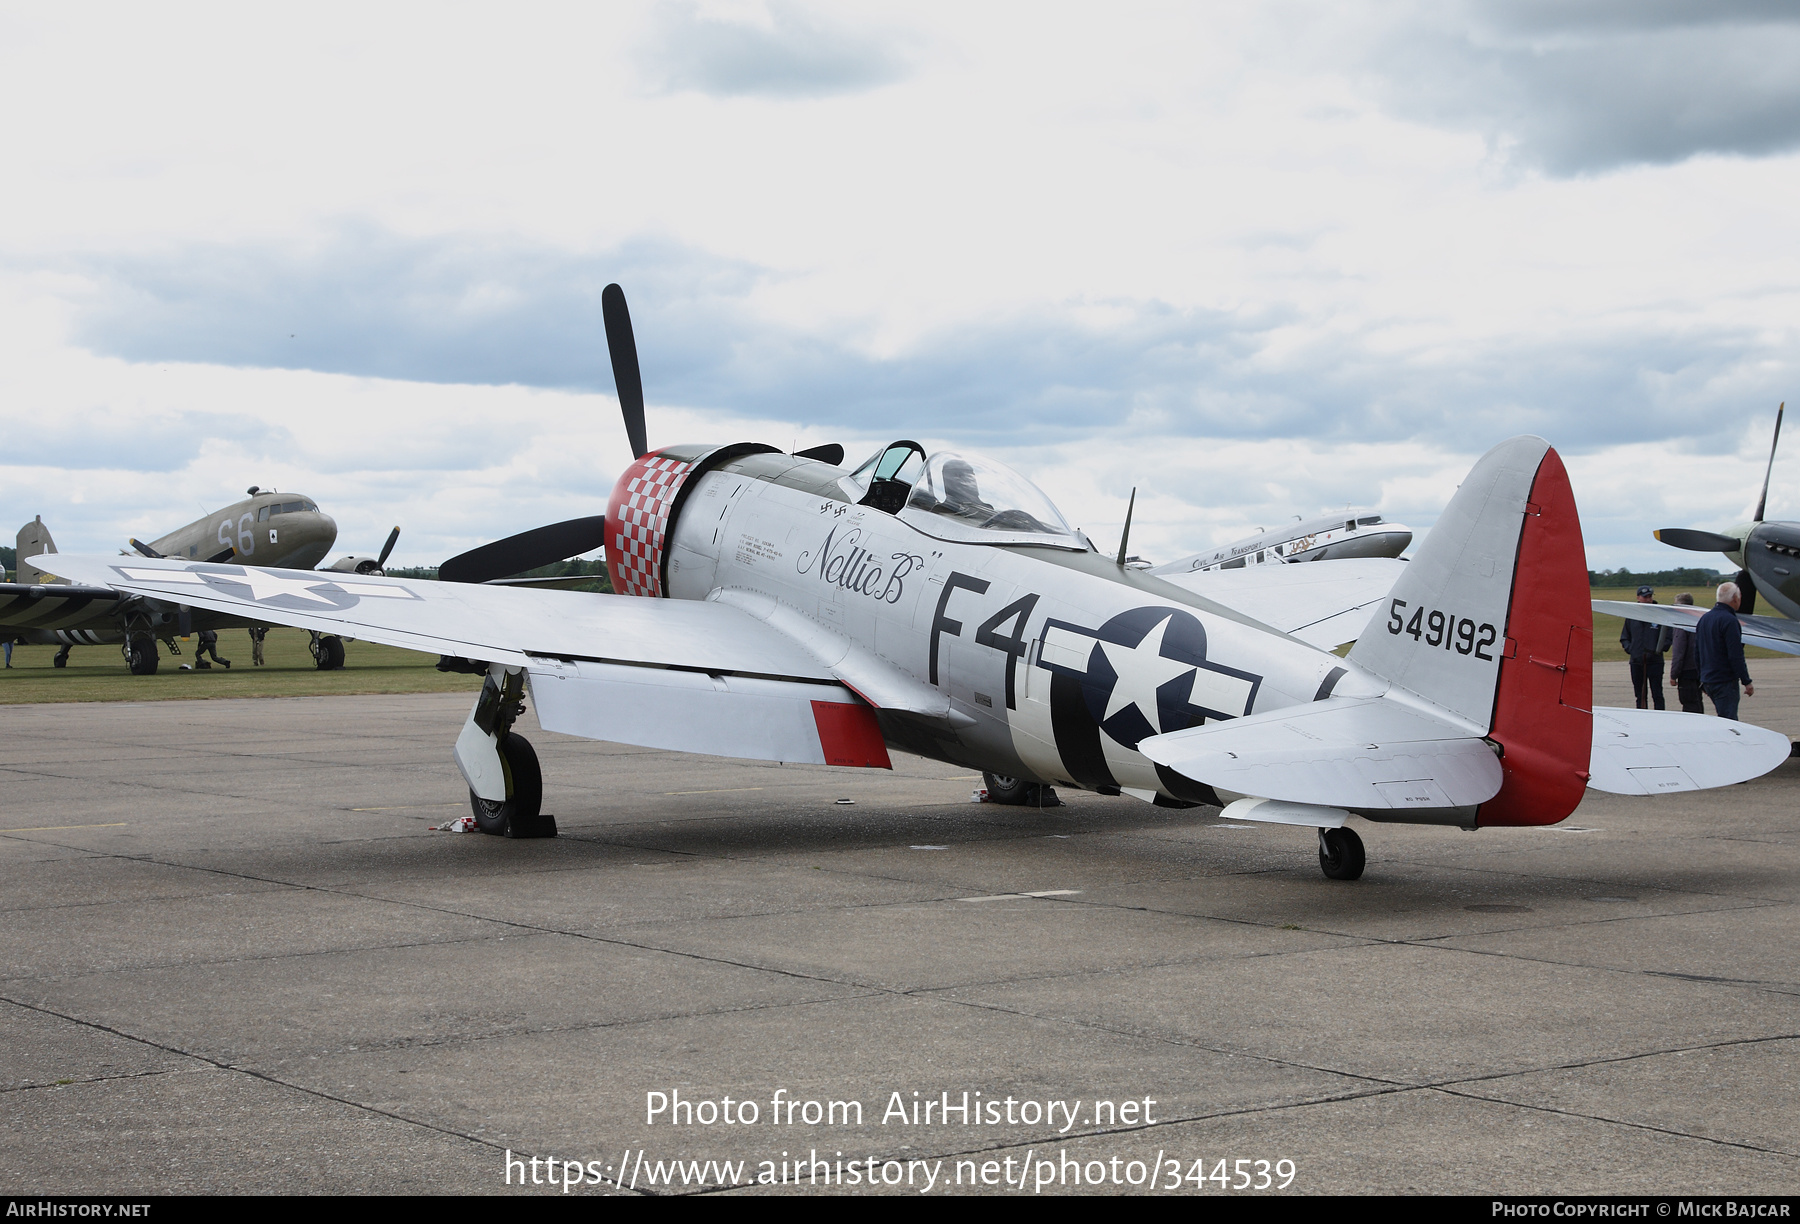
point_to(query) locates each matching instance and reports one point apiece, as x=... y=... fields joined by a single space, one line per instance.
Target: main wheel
x=1017 y=792
x=142 y=655
x=524 y=789
x=1340 y=854
x=330 y=653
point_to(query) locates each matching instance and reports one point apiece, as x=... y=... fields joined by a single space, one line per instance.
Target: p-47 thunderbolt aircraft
x=781 y=607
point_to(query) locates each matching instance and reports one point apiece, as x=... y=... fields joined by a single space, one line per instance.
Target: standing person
x=9 y=652
x=262 y=631
x=209 y=641
x=1644 y=644
x=1719 y=641
x=1684 y=665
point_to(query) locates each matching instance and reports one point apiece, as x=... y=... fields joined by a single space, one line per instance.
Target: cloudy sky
x=1257 y=260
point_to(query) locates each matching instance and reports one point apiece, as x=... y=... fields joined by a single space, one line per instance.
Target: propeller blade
x=526 y=551
x=1763 y=501
x=626 y=376
x=1695 y=540
x=830 y=453
x=381 y=561
x=144 y=548
x=1746 y=585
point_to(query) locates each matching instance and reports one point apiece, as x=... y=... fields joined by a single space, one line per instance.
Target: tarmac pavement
x=235 y=959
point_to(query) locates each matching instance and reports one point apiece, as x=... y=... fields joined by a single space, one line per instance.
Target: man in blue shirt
x=1719 y=643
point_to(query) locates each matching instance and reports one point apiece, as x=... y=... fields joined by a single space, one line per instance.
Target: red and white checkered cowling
x=637 y=522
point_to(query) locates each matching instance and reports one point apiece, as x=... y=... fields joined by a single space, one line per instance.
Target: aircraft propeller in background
x=1767 y=554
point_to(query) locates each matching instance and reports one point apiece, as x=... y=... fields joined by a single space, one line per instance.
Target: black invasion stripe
x=1184 y=787
x=1330 y=682
x=1077 y=736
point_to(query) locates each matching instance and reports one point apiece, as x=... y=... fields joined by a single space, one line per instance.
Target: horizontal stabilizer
x=1657 y=752
x=1769 y=632
x=1347 y=752
x=1324 y=605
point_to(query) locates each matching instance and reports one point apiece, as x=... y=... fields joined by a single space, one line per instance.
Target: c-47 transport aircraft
x=267 y=528
x=781 y=607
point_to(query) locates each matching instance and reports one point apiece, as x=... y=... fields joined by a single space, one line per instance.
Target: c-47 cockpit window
x=967 y=497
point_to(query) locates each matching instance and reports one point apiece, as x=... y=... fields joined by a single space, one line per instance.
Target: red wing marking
x=850 y=735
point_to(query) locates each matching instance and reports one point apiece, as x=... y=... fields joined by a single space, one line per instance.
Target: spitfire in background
x=282 y=530
x=1767 y=555
x=786 y=607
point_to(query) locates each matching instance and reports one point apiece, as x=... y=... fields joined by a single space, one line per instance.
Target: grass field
x=99 y=673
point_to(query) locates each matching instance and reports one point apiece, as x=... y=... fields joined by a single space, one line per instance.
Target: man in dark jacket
x=1684 y=665
x=1719 y=641
x=1644 y=644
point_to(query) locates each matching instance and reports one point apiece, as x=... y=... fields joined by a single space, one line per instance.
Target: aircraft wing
x=1324 y=603
x=664 y=673
x=1769 y=632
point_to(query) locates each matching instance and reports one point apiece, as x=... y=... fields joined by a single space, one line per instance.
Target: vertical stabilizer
x=1491 y=622
x=34 y=539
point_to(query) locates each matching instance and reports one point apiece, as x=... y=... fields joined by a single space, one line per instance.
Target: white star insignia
x=1142 y=670
x=265 y=585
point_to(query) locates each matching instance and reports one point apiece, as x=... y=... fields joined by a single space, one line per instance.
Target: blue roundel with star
x=1144 y=672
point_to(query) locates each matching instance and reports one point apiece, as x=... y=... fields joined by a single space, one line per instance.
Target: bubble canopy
x=979 y=501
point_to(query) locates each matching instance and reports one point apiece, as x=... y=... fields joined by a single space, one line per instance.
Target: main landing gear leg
x=506 y=787
x=1340 y=854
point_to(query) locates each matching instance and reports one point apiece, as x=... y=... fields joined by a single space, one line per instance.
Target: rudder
x=1491 y=623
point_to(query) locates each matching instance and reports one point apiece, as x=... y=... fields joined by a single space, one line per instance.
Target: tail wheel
x=1017 y=792
x=1340 y=854
x=524 y=792
x=61 y=659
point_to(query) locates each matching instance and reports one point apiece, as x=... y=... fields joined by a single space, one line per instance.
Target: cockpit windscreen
x=969 y=498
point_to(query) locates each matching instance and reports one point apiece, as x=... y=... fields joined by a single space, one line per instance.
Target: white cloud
x=1078 y=237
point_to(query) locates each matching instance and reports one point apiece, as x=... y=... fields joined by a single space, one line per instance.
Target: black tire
x=525 y=791
x=143 y=656
x=61 y=659
x=1016 y=792
x=330 y=654
x=1341 y=854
